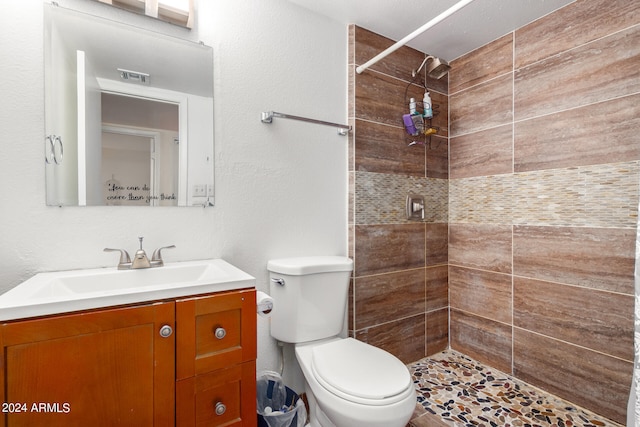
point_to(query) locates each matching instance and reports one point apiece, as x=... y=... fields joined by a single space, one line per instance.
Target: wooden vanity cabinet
x=99 y=368
x=114 y=367
x=215 y=360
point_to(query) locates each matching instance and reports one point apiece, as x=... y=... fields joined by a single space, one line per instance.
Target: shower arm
x=453 y=9
x=415 y=72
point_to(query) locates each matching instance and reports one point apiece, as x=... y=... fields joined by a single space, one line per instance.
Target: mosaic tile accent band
x=587 y=196
x=380 y=198
x=463 y=392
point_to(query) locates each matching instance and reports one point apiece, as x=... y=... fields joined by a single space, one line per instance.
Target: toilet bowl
x=348 y=383
x=354 y=384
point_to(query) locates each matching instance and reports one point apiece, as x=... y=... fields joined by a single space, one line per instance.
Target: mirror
x=128 y=115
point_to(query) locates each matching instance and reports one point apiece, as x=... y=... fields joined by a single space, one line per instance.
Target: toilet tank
x=309 y=297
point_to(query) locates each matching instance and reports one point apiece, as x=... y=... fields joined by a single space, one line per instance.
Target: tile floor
x=457 y=391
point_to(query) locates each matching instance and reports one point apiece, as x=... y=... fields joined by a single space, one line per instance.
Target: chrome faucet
x=140 y=259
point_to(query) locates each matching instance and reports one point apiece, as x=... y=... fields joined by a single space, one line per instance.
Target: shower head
x=436 y=69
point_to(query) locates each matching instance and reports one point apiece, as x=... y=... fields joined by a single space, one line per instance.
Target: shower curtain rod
x=453 y=9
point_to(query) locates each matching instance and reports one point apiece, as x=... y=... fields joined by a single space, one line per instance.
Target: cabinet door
x=100 y=368
x=215 y=332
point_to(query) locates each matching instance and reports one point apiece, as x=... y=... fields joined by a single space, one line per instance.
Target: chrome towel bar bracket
x=267 y=117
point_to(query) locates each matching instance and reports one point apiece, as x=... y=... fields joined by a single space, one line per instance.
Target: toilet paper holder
x=265 y=307
x=264 y=304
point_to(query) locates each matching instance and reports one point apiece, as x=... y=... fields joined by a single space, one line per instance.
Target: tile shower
x=525 y=259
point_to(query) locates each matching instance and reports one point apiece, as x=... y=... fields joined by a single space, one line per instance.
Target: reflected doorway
x=140 y=151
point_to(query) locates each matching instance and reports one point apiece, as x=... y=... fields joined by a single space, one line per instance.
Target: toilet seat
x=360 y=373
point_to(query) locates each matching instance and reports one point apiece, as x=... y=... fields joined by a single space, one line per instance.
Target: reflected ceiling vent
x=134 y=76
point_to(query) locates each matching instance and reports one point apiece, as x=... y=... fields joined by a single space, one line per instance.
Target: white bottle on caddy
x=426 y=102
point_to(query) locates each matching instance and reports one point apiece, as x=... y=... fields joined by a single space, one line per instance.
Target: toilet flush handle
x=278 y=281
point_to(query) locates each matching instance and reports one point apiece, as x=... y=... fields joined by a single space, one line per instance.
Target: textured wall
x=544 y=172
x=398 y=295
x=281 y=189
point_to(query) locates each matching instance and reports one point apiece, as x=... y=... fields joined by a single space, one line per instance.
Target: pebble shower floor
x=455 y=390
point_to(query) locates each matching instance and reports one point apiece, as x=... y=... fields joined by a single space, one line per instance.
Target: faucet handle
x=124 y=256
x=156 y=258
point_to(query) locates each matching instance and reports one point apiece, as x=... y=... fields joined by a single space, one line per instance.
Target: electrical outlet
x=199 y=191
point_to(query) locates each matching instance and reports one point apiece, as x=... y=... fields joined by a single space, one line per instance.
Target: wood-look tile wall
x=544 y=172
x=399 y=292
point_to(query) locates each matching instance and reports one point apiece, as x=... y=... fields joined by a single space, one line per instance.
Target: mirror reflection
x=129 y=115
x=139 y=139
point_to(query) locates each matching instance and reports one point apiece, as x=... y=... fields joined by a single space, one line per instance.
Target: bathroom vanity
x=185 y=360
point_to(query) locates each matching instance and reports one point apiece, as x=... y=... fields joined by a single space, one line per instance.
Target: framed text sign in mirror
x=128 y=115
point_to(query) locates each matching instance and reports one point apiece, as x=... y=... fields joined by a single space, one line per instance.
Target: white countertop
x=75 y=290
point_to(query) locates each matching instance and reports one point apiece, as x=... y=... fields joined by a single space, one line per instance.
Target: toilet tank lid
x=310 y=265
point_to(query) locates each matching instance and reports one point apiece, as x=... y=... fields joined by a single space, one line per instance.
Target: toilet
x=348 y=383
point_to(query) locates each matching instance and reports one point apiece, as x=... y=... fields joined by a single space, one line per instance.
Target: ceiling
x=129 y=48
x=475 y=25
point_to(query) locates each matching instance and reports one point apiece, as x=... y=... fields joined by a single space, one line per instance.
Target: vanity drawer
x=215 y=332
x=222 y=398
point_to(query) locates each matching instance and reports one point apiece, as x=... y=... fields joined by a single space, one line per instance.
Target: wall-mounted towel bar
x=267 y=117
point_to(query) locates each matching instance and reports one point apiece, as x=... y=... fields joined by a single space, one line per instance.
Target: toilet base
x=328 y=410
x=316 y=417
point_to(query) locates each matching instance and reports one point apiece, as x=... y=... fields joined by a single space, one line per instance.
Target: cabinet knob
x=220 y=333
x=166 y=331
x=221 y=408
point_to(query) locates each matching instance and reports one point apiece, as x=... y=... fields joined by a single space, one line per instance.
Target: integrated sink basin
x=111 y=280
x=73 y=290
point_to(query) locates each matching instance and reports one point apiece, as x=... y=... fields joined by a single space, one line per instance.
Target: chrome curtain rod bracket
x=267 y=117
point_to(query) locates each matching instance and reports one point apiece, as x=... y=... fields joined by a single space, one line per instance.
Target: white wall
x=281 y=189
